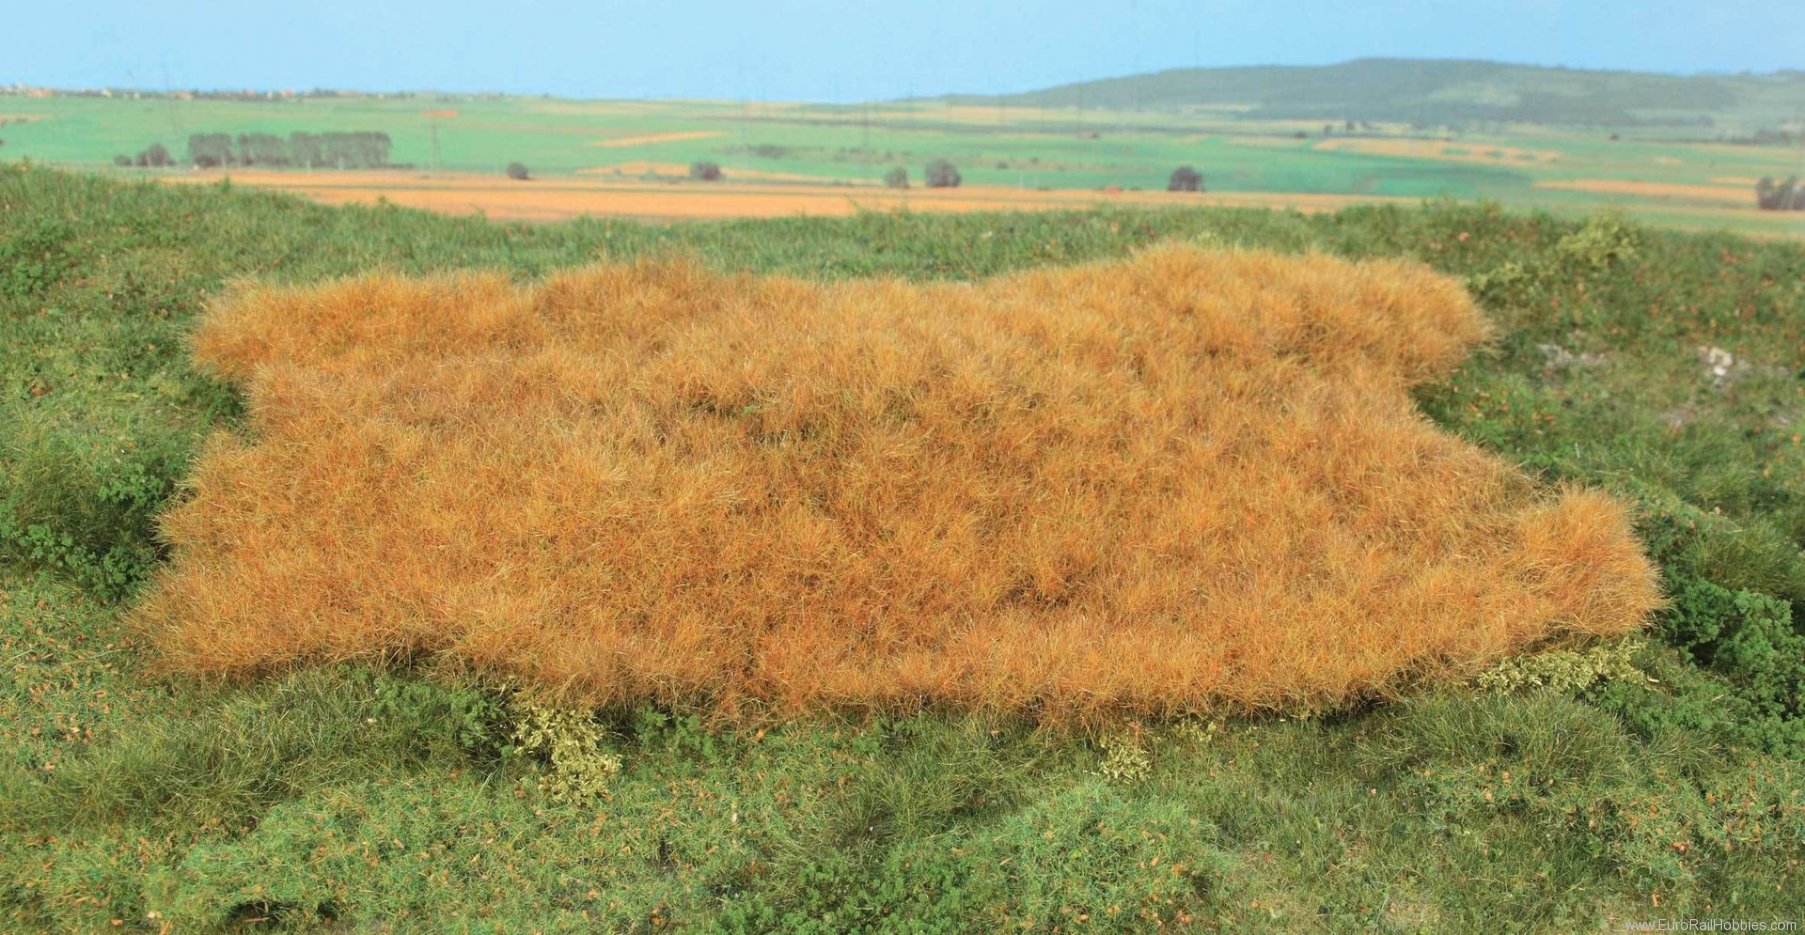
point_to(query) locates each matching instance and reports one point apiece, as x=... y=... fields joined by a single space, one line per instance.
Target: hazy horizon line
x=426 y=91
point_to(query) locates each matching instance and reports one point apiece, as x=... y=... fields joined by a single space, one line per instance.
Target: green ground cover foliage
x=1653 y=779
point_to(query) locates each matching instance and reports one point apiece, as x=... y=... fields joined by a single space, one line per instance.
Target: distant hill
x=1438 y=92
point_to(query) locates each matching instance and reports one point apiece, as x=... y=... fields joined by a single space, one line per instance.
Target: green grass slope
x=1658 y=779
x=1445 y=91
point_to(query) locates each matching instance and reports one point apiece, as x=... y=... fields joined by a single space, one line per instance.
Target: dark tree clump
x=517 y=171
x=1784 y=196
x=154 y=156
x=122 y=160
x=896 y=178
x=306 y=150
x=1185 y=179
x=263 y=149
x=705 y=171
x=210 y=150
x=941 y=174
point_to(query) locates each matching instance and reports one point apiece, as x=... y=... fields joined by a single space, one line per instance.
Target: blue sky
x=836 y=51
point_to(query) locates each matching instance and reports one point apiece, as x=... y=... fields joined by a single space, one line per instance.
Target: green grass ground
x=346 y=799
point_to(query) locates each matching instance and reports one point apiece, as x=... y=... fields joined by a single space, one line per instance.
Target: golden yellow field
x=1737 y=195
x=1186 y=480
x=560 y=198
x=627 y=142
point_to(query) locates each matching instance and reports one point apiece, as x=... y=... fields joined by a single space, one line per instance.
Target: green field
x=993 y=144
x=1656 y=779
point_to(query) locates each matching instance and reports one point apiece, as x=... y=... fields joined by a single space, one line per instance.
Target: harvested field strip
x=679 y=136
x=1188 y=480
x=1457 y=151
x=556 y=199
x=1662 y=190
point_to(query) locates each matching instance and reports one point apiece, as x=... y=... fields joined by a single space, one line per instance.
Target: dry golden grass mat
x=1181 y=481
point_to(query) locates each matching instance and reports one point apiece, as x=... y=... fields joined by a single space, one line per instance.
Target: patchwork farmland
x=633 y=159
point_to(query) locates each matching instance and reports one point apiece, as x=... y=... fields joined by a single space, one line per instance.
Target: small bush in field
x=1566 y=671
x=518 y=172
x=941 y=174
x=1125 y=756
x=568 y=744
x=897 y=178
x=1604 y=242
x=705 y=171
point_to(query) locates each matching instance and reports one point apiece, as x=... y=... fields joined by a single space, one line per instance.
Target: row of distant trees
x=1783 y=196
x=938 y=173
x=943 y=174
x=360 y=150
x=364 y=150
x=156 y=155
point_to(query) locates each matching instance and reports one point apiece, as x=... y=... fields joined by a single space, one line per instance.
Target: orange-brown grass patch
x=1187 y=480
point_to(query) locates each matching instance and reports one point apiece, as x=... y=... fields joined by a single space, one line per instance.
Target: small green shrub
x=1744 y=635
x=568 y=744
x=1605 y=241
x=1125 y=756
x=1564 y=671
x=1511 y=281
